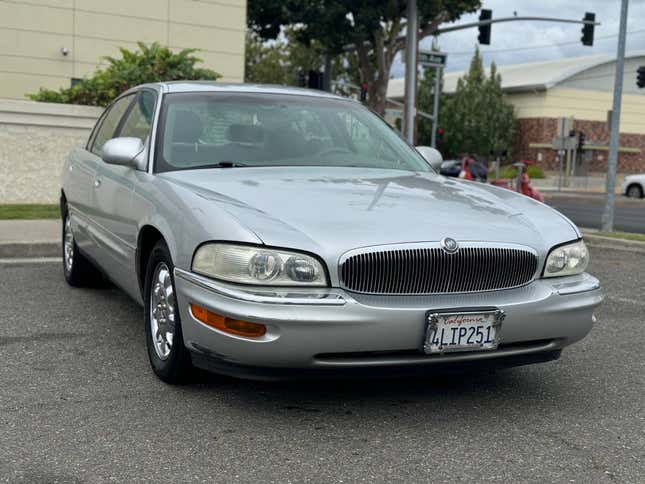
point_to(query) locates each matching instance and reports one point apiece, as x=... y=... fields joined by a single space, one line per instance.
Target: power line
x=539 y=46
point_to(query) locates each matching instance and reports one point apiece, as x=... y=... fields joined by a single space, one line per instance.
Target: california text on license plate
x=462 y=331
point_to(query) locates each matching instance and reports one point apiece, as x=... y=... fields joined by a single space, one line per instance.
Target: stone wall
x=543 y=130
x=34 y=140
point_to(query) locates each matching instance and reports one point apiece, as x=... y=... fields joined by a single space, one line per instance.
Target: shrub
x=511 y=172
x=152 y=63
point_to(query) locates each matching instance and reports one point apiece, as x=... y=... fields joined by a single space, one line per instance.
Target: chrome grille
x=434 y=271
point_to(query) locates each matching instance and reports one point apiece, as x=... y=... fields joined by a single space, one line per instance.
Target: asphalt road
x=587 y=211
x=78 y=403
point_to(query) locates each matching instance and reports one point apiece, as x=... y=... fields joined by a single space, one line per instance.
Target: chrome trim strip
x=321 y=360
x=575 y=284
x=434 y=245
x=273 y=295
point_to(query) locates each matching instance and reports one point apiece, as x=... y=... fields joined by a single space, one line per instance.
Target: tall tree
x=476 y=118
x=374 y=27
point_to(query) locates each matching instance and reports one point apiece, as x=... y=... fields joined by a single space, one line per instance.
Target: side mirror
x=122 y=151
x=432 y=156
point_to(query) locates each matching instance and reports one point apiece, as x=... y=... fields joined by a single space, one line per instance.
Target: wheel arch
x=148 y=237
x=636 y=184
x=63 y=203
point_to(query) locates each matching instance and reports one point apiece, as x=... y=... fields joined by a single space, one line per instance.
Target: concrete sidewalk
x=30 y=238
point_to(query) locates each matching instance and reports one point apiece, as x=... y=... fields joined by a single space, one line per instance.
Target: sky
x=528 y=41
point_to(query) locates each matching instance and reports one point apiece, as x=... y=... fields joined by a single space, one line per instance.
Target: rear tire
x=635 y=191
x=169 y=358
x=77 y=269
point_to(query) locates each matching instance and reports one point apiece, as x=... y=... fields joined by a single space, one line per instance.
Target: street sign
x=429 y=58
x=564 y=143
x=565 y=125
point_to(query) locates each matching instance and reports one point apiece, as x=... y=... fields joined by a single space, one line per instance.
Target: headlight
x=567 y=260
x=258 y=265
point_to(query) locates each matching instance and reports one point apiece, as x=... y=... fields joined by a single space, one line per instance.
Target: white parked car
x=634 y=186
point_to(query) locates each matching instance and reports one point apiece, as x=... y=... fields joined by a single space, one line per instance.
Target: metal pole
x=410 y=71
x=435 y=107
x=327 y=73
x=560 y=156
x=612 y=160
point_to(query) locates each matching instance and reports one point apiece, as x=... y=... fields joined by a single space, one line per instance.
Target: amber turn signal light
x=228 y=325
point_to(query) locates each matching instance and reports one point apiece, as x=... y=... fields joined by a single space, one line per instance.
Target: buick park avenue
x=273 y=232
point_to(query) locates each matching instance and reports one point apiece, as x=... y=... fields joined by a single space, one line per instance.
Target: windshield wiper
x=224 y=164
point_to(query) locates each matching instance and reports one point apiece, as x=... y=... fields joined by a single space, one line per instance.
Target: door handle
x=97 y=183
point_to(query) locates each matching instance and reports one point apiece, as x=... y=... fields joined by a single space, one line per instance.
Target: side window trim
x=126 y=115
x=105 y=114
x=97 y=127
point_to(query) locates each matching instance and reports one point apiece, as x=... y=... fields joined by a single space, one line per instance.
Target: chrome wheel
x=68 y=244
x=162 y=311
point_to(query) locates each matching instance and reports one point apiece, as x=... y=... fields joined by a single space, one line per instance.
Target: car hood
x=331 y=210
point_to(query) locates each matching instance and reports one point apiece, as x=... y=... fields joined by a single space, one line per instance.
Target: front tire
x=169 y=358
x=634 y=191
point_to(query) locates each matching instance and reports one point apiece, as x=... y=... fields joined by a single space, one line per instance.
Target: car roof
x=212 y=86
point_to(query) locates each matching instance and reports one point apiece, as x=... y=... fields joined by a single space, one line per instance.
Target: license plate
x=462 y=331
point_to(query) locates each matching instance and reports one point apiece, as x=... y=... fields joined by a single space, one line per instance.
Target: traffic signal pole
x=412 y=43
x=435 y=105
x=411 y=49
x=514 y=19
x=612 y=160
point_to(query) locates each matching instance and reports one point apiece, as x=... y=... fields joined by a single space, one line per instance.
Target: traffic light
x=439 y=138
x=582 y=139
x=363 y=92
x=640 y=79
x=587 y=29
x=315 y=80
x=302 y=79
x=484 y=30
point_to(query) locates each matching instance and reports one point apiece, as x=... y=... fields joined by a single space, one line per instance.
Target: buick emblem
x=449 y=245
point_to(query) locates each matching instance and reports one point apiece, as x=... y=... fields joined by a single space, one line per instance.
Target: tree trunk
x=377 y=95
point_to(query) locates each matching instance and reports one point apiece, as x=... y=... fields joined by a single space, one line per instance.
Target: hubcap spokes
x=162 y=311
x=68 y=244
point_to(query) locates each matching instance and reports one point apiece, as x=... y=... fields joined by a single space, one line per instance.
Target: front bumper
x=348 y=331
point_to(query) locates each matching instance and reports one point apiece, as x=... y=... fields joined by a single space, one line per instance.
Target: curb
x=602 y=242
x=620 y=199
x=30 y=249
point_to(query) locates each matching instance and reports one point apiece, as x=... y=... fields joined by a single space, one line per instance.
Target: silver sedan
x=272 y=232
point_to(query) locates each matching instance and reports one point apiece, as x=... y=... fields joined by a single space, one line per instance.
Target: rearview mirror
x=432 y=156
x=122 y=151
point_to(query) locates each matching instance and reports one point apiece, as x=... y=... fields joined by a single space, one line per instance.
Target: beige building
x=580 y=88
x=49 y=43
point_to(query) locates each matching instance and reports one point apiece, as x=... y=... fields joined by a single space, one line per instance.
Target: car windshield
x=206 y=130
